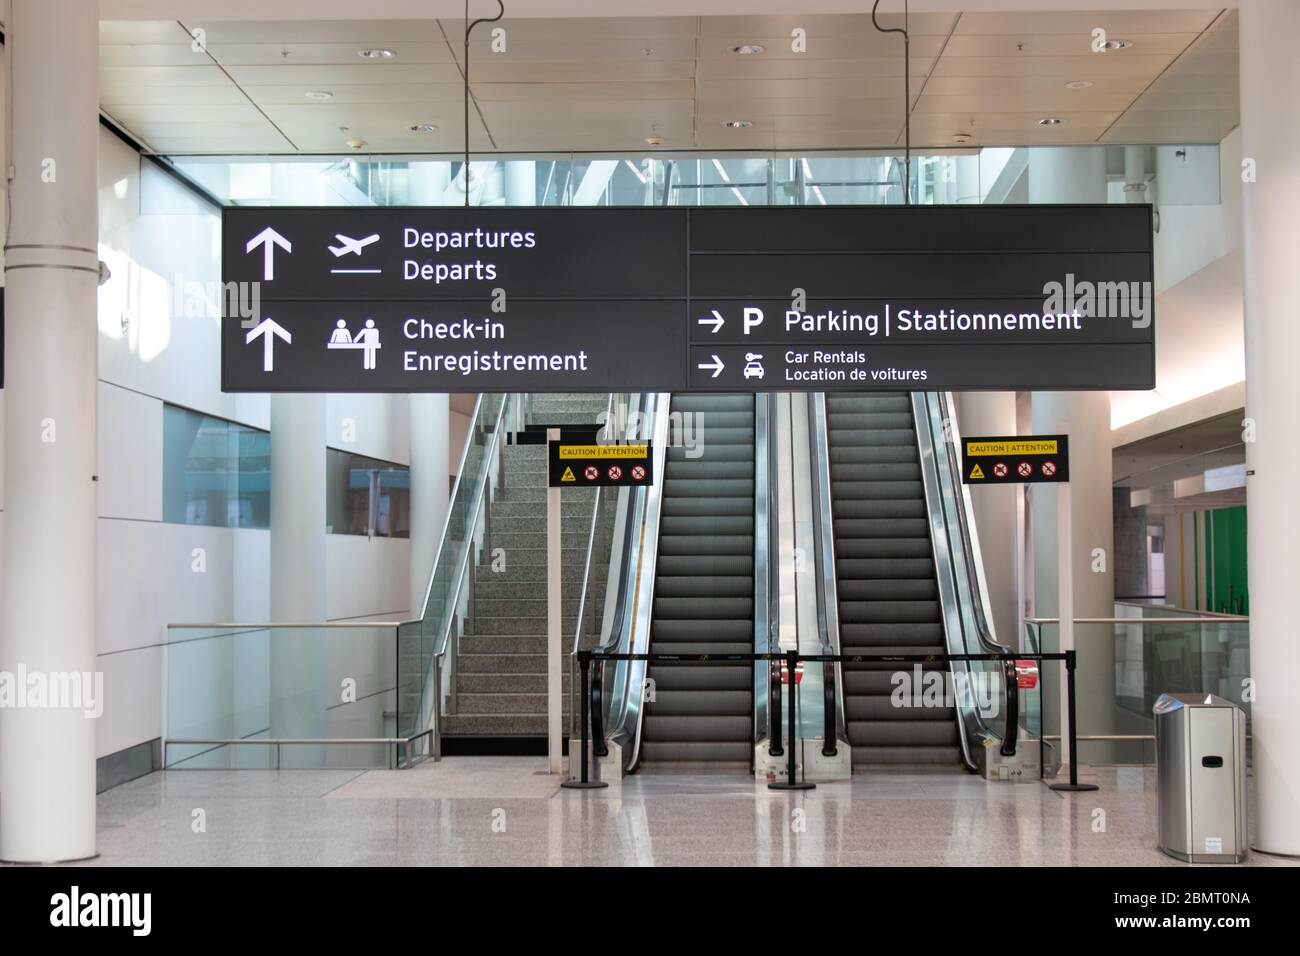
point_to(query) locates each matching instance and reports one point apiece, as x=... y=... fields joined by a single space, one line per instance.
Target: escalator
x=702 y=715
x=887 y=588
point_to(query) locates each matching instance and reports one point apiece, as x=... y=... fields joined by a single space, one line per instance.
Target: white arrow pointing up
x=268 y=329
x=717 y=321
x=268 y=239
x=716 y=366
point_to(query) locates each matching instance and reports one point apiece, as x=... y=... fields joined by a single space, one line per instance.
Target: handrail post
x=584 y=783
x=829 y=741
x=1074 y=785
x=791 y=783
x=1012 y=706
x=774 y=705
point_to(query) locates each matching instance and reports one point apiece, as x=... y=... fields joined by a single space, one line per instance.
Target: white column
x=47 y=754
x=997 y=519
x=1085 y=417
x=429 y=489
x=1270 y=90
x=297 y=576
x=1078 y=175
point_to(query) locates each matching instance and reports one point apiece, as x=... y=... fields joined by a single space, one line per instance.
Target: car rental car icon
x=753 y=365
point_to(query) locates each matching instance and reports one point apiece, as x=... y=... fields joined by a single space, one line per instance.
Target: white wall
x=160 y=343
x=1200 y=337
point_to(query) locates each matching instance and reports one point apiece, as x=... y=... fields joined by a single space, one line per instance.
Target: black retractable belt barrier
x=1012 y=695
x=1074 y=785
x=790 y=783
x=774 y=708
x=593 y=712
x=829 y=741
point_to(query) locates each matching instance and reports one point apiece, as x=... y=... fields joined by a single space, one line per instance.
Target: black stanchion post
x=774 y=705
x=1074 y=785
x=791 y=783
x=584 y=663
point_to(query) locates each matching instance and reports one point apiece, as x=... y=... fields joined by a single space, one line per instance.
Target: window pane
x=215 y=472
x=366 y=496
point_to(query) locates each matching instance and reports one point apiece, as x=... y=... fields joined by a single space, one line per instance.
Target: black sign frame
x=602 y=299
x=1004 y=460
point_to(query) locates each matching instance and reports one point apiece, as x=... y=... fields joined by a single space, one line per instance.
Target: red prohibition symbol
x=1000 y=470
x=615 y=473
x=1024 y=469
x=1049 y=469
x=638 y=473
x=592 y=473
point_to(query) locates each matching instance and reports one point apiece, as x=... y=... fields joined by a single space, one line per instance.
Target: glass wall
x=1183 y=174
x=366 y=496
x=215 y=472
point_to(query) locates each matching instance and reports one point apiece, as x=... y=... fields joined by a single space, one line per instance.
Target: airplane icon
x=350 y=245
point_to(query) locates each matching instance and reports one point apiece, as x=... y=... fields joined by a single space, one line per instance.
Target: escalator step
x=701 y=753
x=700 y=585
x=889 y=612
x=667 y=609
x=699 y=677
x=709 y=629
x=707 y=703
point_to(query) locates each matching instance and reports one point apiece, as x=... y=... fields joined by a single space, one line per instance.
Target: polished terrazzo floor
x=508 y=811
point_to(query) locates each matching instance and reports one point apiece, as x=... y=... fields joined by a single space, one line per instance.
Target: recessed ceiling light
x=1078 y=84
x=424 y=128
x=1050 y=121
x=376 y=54
x=319 y=95
x=1117 y=44
x=737 y=124
x=748 y=49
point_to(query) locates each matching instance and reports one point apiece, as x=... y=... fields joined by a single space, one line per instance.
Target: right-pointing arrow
x=717 y=321
x=268 y=329
x=716 y=366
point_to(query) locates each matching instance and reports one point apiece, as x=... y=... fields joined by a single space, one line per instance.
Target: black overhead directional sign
x=1015 y=459
x=574 y=299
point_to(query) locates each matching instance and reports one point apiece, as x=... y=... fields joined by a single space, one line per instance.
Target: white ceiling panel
x=603 y=83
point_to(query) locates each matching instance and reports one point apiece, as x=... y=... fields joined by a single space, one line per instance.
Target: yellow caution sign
x=1032 y=446
x=977 y=471
x=584 y=452
x=568 y=475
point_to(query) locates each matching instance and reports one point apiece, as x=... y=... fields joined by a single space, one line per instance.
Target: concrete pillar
x=1078 y=175
x=47 y=753
x=521 y=182
x=997 y=517
x=299 y=657
x=1270 y=90
x=430 y=486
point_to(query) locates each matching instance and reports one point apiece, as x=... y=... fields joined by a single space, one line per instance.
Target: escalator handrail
x=974 y=568
x=591 y=535
x=647 y=566
x=824 y=562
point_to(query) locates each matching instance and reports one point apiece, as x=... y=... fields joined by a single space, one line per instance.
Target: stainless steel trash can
x=1201 y=778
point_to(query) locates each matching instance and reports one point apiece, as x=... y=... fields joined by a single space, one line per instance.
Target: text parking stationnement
x=407 y=299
